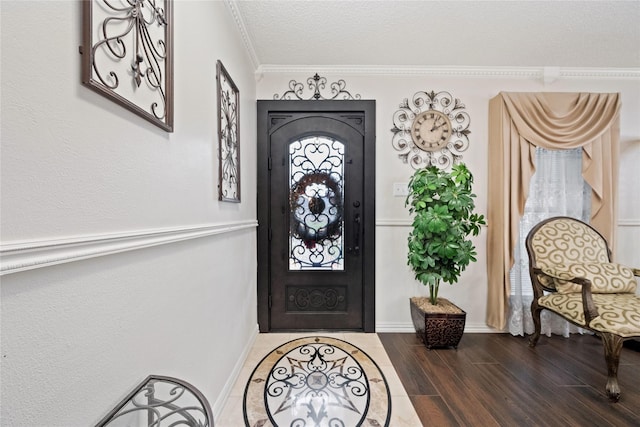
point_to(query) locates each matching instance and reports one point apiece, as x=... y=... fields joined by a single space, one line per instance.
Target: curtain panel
x=520 y=122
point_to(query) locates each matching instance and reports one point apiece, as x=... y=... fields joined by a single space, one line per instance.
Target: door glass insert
x=316 y=203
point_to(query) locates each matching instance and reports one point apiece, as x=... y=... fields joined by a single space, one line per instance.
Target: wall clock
x=431 y=131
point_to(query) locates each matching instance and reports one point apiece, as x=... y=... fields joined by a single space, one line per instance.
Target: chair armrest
x=538 y=286
x=588 y=307
x=590 y=310
x=636 y=271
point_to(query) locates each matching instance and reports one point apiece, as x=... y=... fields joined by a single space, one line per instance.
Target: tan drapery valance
x=520 y=122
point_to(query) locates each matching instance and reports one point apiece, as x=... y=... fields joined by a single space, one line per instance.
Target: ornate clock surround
x=419 y=130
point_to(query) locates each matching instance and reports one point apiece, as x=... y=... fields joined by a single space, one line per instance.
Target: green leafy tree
x=442 y=205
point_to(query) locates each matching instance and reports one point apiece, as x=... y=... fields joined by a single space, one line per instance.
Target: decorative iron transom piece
x=317 y=382
x=131 y=39
x=317 y=84
x=316 y=169
x=431 y=131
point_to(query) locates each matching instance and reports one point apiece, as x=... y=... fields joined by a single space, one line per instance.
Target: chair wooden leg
x=612 y=349
x=535 y=313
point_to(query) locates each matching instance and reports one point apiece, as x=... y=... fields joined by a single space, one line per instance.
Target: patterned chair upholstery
x=573 y=276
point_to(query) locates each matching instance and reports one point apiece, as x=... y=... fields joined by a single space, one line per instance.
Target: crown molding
x=29 y=255
x=548 y=74
x=600 y=73
x=232 y=6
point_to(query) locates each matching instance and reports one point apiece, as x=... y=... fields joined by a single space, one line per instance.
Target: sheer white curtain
x=556 y=188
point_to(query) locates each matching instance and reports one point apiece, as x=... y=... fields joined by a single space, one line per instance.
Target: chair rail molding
x=30 y=255
x=387 y=222
x=394 y=222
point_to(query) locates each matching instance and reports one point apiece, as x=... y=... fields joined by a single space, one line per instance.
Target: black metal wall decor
x=161 y=401
x=432 y=130
x=127 y=55
x=317 y=84
x=228 y=137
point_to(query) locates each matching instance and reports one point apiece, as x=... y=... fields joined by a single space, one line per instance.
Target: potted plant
x=442 y=205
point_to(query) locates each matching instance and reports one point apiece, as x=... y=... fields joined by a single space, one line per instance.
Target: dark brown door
x=316 y=212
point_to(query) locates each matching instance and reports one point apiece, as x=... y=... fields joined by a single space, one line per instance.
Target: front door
x=316 y=215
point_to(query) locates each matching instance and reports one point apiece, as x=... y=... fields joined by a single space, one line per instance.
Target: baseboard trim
x=404 y=327
x=29 y=255
x=218 y=406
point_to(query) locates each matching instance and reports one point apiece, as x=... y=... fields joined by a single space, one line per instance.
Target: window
x=557 y=188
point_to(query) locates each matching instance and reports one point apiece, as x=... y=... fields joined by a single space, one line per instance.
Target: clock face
x=431 y=130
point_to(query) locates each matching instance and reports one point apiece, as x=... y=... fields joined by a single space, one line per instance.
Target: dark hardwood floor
x=497 y=380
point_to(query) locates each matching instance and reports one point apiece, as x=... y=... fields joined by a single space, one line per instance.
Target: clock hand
x=437 y=127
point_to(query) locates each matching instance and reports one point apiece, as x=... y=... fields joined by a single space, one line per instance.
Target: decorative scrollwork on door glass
x=316 y=204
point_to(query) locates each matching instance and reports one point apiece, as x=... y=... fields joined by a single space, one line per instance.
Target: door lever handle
x=356 y=240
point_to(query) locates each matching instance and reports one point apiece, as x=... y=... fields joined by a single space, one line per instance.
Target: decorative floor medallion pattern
x=317 y=382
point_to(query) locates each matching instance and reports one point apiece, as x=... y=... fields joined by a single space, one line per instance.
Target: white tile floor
x=402 y=412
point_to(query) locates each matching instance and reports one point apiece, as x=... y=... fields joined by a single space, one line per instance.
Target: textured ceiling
x=400 y=33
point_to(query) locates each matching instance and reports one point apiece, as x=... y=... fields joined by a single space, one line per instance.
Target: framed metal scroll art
x=127 y=55
x=228 y=137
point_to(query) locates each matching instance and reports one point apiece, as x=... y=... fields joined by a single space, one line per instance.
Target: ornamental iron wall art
x=431 y=131
x=317 y=84
x=127 y=55
x=161 y=401
x=228 y=137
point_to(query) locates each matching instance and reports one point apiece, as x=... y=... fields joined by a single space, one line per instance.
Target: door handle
x=356 y=239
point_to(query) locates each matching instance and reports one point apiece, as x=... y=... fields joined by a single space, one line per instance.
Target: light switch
x=400 y=189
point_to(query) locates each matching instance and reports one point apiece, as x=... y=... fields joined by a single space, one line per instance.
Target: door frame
x=266 y=107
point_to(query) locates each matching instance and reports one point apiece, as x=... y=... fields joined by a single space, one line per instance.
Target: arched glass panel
x=316 y=203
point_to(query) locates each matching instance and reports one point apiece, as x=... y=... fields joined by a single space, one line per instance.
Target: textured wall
x=394 y=280
x=77 y=337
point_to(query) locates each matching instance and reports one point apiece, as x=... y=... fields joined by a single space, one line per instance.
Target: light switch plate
x=400 y=189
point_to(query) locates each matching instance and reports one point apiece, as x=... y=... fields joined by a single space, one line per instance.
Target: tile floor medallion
x=317 y=382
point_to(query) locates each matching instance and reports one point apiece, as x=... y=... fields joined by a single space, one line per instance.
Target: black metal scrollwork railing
x=161 y=401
